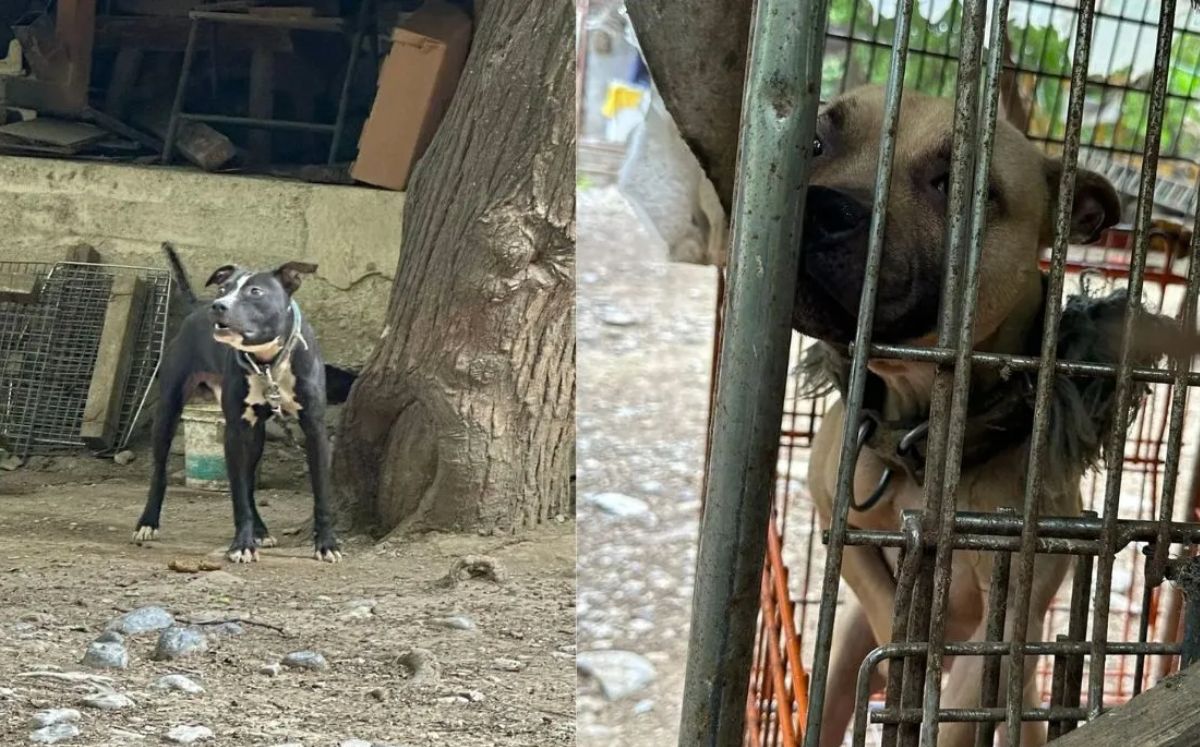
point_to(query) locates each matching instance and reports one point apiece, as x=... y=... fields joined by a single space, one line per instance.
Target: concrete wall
x=126 y=212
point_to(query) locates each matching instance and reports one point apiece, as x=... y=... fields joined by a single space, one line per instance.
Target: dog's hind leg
x=853 y=641
x=172 y=392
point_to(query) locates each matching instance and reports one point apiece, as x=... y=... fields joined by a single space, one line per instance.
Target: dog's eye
x=255 y=291
x=818 y=147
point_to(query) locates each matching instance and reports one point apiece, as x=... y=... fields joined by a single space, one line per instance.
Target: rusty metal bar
x=976 y=201
x=1145 y=206
x=858 y=370
x=997 y=605
x=909 y=563
x=1015 y=363
x=1081 y=591
x=778 y=123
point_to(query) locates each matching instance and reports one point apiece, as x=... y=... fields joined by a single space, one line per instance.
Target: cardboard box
x=416 y=83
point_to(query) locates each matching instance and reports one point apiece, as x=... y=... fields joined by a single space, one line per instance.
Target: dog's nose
x=219 y=307
x=832 y=215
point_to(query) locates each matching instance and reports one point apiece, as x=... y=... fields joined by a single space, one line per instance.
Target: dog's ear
x=1096 y=205
x=220 y=275
x=289 y=274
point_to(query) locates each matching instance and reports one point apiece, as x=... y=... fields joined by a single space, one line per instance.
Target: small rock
x=189 y=734
x=177 y=642
x=178 y=682
x=354 y=604
x=359 y=613
x=619 y=673
x=54 y=716
x=106 y=656
x=124 y=457
x=380 y=693
x=617 y=317
x=455 y=622
x=508 y=665
x=38 y=618
x=107 y=701
x=305 y=660
x=54 y=733
x=111 y=636
x=619 y=504
x=271 y=670
x=423 y=668
x=643 y=706
x=8 y=464
x=142 y=620
x=474 y=696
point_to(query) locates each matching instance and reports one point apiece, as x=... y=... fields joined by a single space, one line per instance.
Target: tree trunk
x=696 y=53
x=464 y=418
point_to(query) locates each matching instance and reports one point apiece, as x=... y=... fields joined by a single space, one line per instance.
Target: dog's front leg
x=243 y=450
x=316 y=443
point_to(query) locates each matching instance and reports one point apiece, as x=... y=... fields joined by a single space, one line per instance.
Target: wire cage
x=48 y=351
x=1034 y=93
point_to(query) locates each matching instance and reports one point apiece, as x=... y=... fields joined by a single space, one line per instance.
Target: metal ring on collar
x=865 y=428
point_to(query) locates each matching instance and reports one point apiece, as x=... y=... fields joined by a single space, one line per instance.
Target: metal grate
x=48 y=350
x=1113 y=86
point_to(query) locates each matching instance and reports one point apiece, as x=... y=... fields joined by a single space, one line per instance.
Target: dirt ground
x=645 y=334
x=68 y=567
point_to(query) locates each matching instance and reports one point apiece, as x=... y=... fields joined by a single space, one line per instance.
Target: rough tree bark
x=463 y=418
x=696 y=53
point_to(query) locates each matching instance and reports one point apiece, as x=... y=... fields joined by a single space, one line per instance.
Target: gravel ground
x=645 y=333
x=68 y=568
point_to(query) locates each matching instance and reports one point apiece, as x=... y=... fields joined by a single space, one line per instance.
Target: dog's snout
x=831 y=215
x=219 y=307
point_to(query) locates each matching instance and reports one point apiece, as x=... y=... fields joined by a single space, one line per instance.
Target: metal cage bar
x=778 y=118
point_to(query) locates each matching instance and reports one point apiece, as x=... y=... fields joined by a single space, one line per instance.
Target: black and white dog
x=253 y=349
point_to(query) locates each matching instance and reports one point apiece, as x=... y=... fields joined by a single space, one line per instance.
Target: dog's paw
x=145 y=534
x=267 y=541
x=243 y=554
x=328 y=554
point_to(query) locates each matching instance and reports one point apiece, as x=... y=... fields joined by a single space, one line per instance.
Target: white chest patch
x=257 y=394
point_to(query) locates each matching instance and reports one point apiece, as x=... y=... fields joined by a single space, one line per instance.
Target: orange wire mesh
x=777 y=701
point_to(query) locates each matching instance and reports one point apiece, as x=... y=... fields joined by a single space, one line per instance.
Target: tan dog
x=1022 y=198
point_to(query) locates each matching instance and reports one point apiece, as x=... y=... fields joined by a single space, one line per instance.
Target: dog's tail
x=178 y=273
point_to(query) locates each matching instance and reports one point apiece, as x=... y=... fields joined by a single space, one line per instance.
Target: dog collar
x=269 y=372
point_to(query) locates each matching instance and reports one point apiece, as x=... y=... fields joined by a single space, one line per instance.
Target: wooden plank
x=1163 y=716
x=58 y=133
x=102 y=412
x=196 y=141
x=19 y=287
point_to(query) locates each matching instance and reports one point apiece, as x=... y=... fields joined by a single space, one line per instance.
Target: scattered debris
x=189 y=734
x=507 y=665
x=178 y=682
x=180 y=565
x=455 y=622
x=54 y=716
x=109 y=701
x=305 y=660
x=54 y=734
x=474 y=566
x=422 y=667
